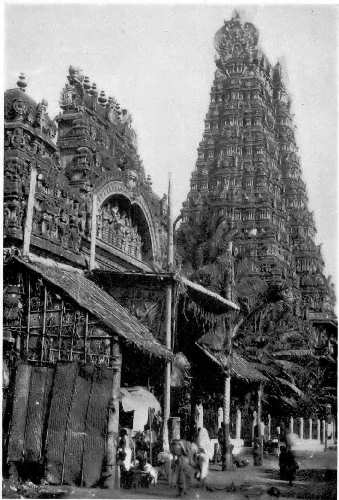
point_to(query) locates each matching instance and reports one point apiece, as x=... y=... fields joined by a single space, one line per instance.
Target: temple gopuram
x=248 y=179
x=248 y=234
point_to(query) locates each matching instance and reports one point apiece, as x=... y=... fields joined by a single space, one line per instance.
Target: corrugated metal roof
x=98 y=302
x=240 y=368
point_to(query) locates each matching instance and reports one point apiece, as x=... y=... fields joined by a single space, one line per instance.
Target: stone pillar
x=269 y=427
x=301 y=430
x=311 y=427
x=220 y=416
x=318 y=431
x=323 y=432
x=291 y=424
x=174 y=428
x=199 y=415
x=238 y=425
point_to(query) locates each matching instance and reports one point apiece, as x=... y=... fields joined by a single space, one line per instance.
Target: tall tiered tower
x=247 y=180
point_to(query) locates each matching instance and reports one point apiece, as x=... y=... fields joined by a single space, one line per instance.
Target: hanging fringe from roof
x=207 y=319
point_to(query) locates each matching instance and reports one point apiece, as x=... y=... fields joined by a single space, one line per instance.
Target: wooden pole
x=168 y=321
x=227 y=459
x=228 y=462
x=170 y=250
x=29 y=212
x=93 y=232
x=112 y=470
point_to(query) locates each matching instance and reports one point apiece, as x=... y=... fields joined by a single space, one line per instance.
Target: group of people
x=183 y=464
x=187 y=461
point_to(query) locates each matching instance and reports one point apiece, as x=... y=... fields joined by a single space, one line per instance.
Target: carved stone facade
x=95 y=147
x=116 y=228
x=248 y=179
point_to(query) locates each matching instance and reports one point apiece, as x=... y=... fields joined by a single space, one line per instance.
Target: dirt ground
x=316 y=479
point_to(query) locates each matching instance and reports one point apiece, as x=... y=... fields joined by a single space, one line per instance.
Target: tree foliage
x=268 y=331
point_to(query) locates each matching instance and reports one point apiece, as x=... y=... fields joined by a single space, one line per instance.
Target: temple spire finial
x=22 y=83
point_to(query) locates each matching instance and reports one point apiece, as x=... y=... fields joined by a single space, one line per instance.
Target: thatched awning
x=103 y=306
x=206 y=298
x=240 y=368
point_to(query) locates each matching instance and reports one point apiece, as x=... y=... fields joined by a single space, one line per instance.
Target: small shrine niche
x=122 y=224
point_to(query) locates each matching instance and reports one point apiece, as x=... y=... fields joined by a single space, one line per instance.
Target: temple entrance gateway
x=124 y=221
x=123 y=226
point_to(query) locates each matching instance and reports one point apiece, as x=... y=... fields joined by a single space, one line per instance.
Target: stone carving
x=116 y=228
x=236 y=40
x=16 y=185
x=58 y=217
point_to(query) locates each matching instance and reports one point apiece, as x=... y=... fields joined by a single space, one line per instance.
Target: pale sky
x=158 y=61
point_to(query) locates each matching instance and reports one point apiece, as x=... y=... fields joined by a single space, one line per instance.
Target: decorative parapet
x=96 y=144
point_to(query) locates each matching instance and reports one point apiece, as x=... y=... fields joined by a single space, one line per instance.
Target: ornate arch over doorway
x=124 y=220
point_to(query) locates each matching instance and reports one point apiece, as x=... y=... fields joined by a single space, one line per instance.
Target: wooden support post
x=318 y=431
x=228 y=462
x=291 y=424
x=93 y=232
x=326 y=434
x=238 y=425
x=29 y=212
x=301 y=429
x=168 y=321
x=228 y=447
x=310 y=427
x=44 y=317
x=112 y=470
